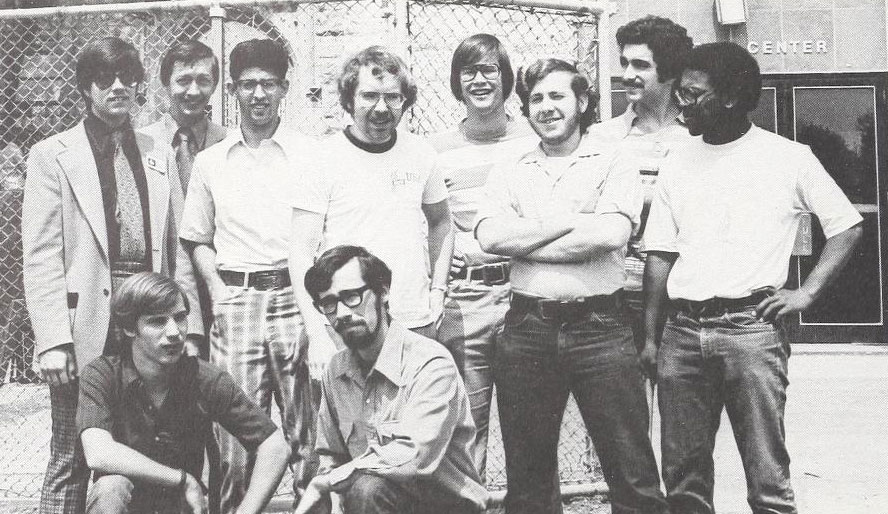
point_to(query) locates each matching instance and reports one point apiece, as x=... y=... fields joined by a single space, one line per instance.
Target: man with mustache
x=722 y=228
x=652 y=50
x=380 y=188
x=395 y=429
x=96 y=210
x=144 y=415
x=563 y=213
x=189 y=72
x=236 y=222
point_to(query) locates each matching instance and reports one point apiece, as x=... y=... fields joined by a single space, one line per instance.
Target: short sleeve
x=198 y=216
x=622 y=192
x=661 y=231
x=819 y=193
x=435 y=189
x=314 y=189
x=238 y=415
x=96 y=396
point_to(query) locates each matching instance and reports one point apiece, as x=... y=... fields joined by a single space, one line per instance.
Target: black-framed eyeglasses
x=685 y=96
x=489 y=71
x=104 y=79
x=249 y=85
x=350 y=297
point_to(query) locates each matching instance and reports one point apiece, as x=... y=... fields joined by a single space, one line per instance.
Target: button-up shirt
x=239 y=199
x=589 y=181
x=113 y=398
x=408 y=419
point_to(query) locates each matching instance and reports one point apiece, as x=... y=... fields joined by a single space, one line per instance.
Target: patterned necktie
x=129 y=207
x=186 y=147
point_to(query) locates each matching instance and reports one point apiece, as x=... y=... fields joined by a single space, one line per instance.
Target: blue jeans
x=736 y=362
x=371 y=494
x=473 y=319
x=538 y=362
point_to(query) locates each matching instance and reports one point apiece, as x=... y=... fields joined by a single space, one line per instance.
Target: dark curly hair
x=374 y=272
x=732 y=72
x=669 y=43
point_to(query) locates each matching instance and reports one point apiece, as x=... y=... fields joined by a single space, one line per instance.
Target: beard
x=356 y=335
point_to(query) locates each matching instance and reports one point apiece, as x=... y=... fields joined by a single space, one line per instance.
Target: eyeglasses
x=371 y=98
x=688 y=96
x=488 y=71
x=350 y=297
x=249 y=85
x=105 y=79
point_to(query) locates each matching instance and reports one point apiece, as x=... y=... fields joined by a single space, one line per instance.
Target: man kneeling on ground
x=395 y=431
x=143 y=416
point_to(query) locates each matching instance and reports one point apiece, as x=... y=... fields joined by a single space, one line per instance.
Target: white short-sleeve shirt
x=731 y=212
x=375 y=200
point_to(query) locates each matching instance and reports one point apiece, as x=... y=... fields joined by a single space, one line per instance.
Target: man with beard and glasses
x=236 y=222
x=481 y=77
x=722 y=228
x=189 y=72
x=652 y=50
x=95 y=211
x=395 y=429
x=563 y=213
x=144 y=415
x=380 y=188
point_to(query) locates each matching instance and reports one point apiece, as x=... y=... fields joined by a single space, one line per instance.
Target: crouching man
x=395 y=431
x=143 y=416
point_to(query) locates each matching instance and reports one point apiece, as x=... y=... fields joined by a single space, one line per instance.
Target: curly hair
x=264 y=54
x=732 y=72
x=669 y=43
x=540 y=69
x=380 y=60
x=374 y=271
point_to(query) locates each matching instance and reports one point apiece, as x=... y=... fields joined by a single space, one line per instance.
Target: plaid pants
x=64 y=486
x=258 y=337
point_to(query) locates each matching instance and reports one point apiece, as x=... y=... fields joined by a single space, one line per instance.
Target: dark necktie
x=186 y=147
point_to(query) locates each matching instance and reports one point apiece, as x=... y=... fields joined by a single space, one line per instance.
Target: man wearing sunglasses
x=722 y=228
x=95 y=212
x=395 y=431
x=377 y=187
x=481 y=77
x=652 y=50
x=236 y=223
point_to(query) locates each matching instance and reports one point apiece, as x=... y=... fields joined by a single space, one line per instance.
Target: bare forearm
x=835 y=255
x=112 y=458
x=204 y=258
x=271 y=462
x=656 y=273
x=517 y=237
x=594 y=235
x=441 y=237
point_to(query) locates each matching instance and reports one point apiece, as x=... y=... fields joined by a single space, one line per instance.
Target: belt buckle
x=246 y=284
x=494 y=274
x=543 y=307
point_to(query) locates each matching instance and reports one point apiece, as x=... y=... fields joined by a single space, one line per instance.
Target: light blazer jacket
x=67 y=274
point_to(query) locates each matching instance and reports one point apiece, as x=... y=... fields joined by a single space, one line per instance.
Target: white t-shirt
x=239 y=199
x=375 y=200
x=731 y=212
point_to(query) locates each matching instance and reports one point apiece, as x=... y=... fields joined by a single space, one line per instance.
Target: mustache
x=632 y=83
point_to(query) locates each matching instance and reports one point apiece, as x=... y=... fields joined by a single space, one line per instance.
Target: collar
x=285 y=138
x=199 y=130
x=131 y=379
x=628 y=118
x=99 y=128
x=370 y=147
x=584 y=150
x=389 y=362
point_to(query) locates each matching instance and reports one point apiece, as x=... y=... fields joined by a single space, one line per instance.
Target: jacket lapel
x=77 y=161
x=154 y=162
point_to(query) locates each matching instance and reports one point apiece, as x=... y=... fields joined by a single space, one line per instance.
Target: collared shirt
x=537 y=186
x=408 y=420
x=731 y=213
x=647 y=150
x=199 y=130
x=376 y=200
x=113 y=398
x=239 y=199
x=465 y=164
x=101 y=141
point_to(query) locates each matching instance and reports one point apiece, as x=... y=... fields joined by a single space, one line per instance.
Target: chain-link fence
x=39 y=98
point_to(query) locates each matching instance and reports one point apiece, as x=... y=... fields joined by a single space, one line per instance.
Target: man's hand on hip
x=58 y=366
x=648 y=359
x=782 y=303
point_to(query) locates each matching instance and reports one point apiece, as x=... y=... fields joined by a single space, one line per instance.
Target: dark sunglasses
x=350 y=297
x=104 y=79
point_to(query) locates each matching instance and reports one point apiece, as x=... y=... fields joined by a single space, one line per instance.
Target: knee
x=109 y=494
x=369 y=493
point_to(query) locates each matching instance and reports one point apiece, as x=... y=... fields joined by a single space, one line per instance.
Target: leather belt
x=717 y=306
x=490 y=274
x=568 y=309
x=265 y=280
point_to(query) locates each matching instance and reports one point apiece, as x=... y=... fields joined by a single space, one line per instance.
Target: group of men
x=377 y=285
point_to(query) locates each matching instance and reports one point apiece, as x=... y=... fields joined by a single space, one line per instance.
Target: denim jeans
x=731 y=361
x=537 y=363
x=371 y=494
x=473 y=319
x=116 y=494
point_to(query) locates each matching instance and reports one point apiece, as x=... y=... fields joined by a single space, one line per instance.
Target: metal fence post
x=217 y=43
